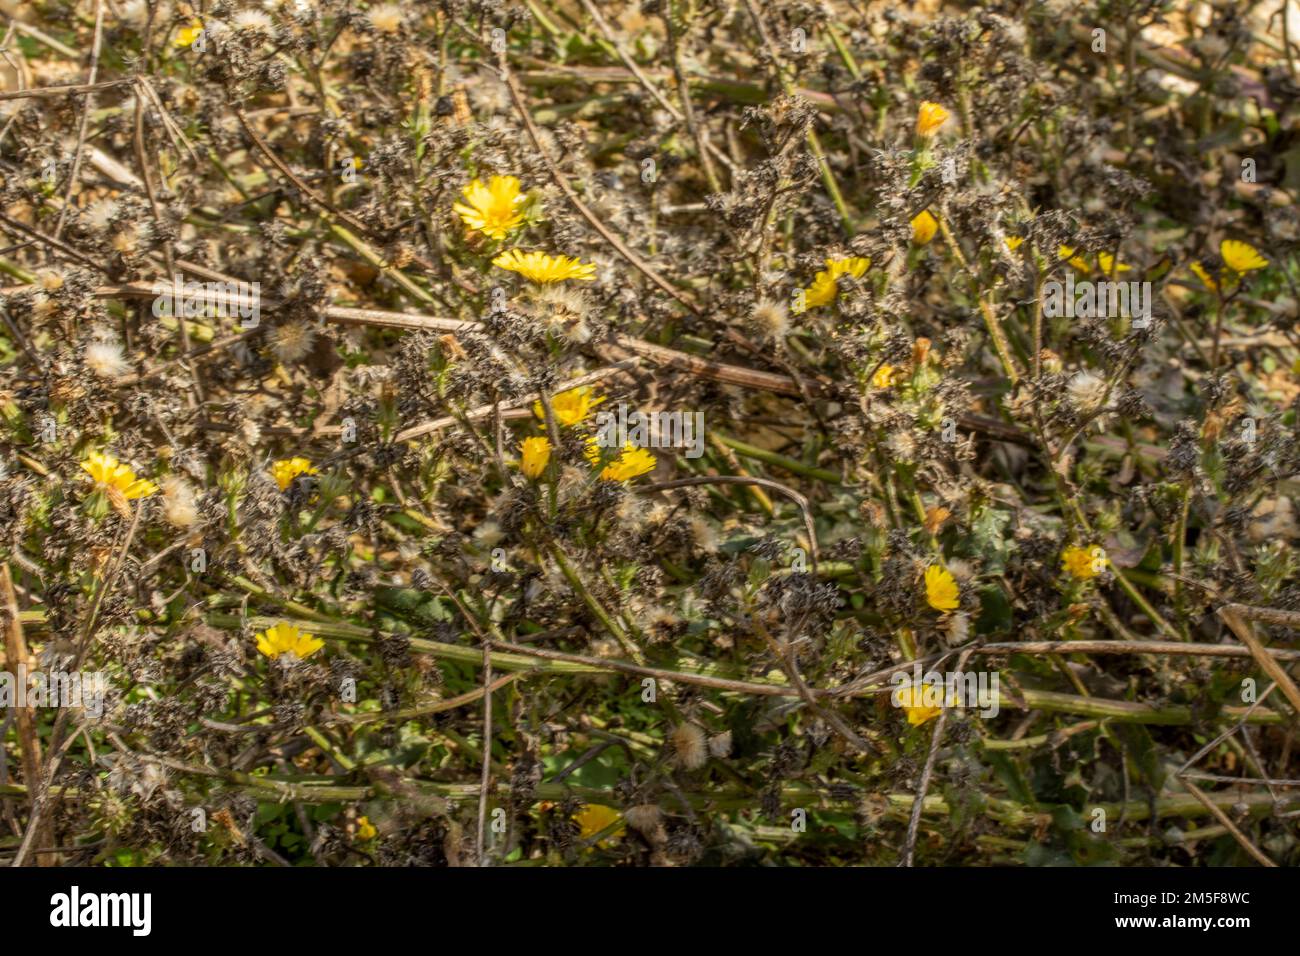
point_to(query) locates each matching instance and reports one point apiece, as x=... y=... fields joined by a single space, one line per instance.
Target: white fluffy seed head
x=771 y=320
x=98 y=216
x=291 y=341
x=1087 y=391
x=105 y=359
x=690 y=746
x=385 y=18
x=179 y=505
x=251 y=21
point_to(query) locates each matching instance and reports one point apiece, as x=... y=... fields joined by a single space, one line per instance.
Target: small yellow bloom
x=286 y=470
x=1241 y=256
x=912 y=698
x=115 y=477
x=825 y=284
x=188 y=35
x=594 y=817
x=941 y=591
x=924 y=226
x=929 y=118
x=633 y=461
x=1203 y=274
x=287 y=639
x=535 y=454
x=1107 y=261
x=1079 y=263
x=571 y=407
x=884 y=376
x=494 y=209
x=541 y=268
x=365 y=829
x=1013 y=242
x=1083 y=564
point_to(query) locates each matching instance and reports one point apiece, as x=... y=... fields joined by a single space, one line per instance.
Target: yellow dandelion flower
x=494 y=209
x=534 y=456
x=188 y=35
x=924 y=226
x=633 y=461
x=884 y=376
x=287 y=639
x=286 y=470
x=941 y=591
x=929 y=118
x=1241 y=256
x=922 y=702
x=541 y=268
x=594 y=817
x=116 y=478
x=365 y=829
x=571 y=407
x=1083 y=564
x=825 y=284
x=1013 y=243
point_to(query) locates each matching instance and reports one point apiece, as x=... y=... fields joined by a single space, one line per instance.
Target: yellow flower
x=571 y=407
x=1079 y=263
x=592 y=451
x=1013 y=242
x=1204 y=276
x=536 y=452
x=287 y=639
x=1238 y=258
x=493 y=209
x=633 y=461
x=929 y=118
x=541 y=268
x=188 y=35
x=1083 y=564
x=825 y=284
x=594 y=817
x=1241 y=256
x=924 y=226
x=286 y=470
x=365 y=829
x=1106 y=260
x=911 y=697
x=116 y=477
x=941 y=591
x=884 y=377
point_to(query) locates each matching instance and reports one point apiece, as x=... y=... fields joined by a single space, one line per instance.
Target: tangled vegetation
x=964 y=343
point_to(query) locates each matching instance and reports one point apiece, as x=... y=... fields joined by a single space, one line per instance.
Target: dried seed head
x=178 y=502
x=770 y=320
x=104 y=357
x=690 y=746
x=291 y=341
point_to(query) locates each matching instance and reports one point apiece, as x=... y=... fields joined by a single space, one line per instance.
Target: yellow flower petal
x=924 y=226
x=929 y=118
x=541 y=268
x=494 y=209
x=941 y=591
x=534 y=456
x=1241 y=256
